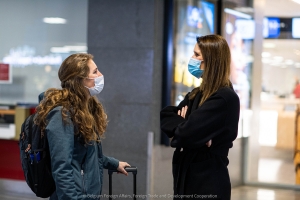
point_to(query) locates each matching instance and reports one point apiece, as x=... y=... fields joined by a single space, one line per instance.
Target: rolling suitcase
x=128 y=169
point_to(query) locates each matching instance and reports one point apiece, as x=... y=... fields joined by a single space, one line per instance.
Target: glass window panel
x=36 y=36
x=193 y=18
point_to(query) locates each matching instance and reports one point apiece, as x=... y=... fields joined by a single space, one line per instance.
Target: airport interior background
x=264 y=37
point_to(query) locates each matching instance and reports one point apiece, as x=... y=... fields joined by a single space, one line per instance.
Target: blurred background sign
x=5 y=73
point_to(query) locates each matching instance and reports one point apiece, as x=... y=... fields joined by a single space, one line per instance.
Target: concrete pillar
x=125 y=37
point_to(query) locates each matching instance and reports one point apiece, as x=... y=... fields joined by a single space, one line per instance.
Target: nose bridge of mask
x=98 y=87
x=195 y=62
x=194 y=67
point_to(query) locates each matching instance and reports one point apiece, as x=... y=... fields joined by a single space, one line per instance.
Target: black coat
x=198 y=169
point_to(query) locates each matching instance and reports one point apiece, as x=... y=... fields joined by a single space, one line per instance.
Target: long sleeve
x=61 y=144
x=205 y=123
x=169 y=119
x=110 y=162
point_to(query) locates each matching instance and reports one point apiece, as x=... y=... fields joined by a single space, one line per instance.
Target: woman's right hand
x=182 y=112
x=122 y=166
x=208 y=144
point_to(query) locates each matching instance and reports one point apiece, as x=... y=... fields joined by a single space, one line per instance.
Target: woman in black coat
x=204 y=125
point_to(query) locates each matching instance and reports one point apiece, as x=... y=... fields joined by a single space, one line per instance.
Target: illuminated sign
x=273 y=26
x=25 y=55
x=281 y=28
x=22 y=61
x=5 y=73
x=246 y=28
x=296 y=27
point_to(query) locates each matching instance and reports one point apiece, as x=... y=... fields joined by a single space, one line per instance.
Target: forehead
x=92 y=65
x=197 y=49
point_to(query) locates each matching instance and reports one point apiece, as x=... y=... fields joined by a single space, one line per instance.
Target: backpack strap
x=30 y=129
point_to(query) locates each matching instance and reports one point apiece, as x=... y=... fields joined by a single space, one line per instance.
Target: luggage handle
x=132 y=169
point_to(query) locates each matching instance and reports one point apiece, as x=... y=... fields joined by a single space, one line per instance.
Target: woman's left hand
x=208 y=144
x=122 y=166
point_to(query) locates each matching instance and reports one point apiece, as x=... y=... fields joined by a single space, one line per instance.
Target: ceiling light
x=54 y=20
x=59 y=50
x=244 y=9
x=265 y=54
x=68 y=49
x=296 y=1
x=237 y=13
x=77 y=48
x=269 y=45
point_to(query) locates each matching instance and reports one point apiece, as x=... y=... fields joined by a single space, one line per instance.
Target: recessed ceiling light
x=244 y=9
x=68 y=49
x=54 y=20
x=237 y=13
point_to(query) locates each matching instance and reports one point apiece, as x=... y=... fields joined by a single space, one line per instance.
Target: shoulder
x=55 y=110
x=227 y=93
x=55 y=113
x=229 y=96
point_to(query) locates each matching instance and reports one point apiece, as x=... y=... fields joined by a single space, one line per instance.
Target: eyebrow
x=197 y=52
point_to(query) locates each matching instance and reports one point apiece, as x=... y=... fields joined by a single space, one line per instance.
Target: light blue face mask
x=194 y=67
x=99 y=84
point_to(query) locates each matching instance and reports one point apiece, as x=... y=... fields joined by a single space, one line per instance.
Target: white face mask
x=99 y=84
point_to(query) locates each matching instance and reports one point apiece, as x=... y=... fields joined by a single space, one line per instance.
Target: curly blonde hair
x=86 y=112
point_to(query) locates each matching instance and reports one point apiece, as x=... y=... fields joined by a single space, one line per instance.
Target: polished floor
x=275 y=166
x=8 y=192
x=256 y=193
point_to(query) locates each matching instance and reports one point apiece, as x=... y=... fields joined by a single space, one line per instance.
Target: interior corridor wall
x=125 y=37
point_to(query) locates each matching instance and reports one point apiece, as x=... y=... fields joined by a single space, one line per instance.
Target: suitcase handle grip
x=132 y=169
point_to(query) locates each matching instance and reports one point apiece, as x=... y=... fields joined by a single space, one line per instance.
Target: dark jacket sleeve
x=110 y=162
x=169 y=118
x=204 y=123
x=61 y=144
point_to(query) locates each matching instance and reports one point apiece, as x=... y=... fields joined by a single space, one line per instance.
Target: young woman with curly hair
x=204 y=125
x=74 y=122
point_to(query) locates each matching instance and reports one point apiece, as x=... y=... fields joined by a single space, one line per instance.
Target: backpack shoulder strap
x=30 y=124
